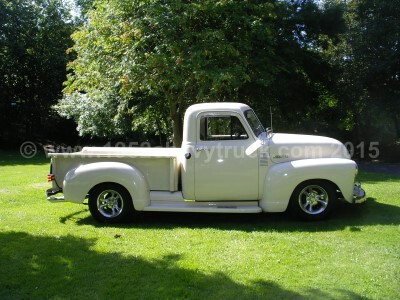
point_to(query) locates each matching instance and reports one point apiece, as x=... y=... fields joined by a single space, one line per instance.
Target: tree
x=368 y=60
x=378 y=52
x=172 y=53
x=146 y=61
x=33 y=39
x=301 y=93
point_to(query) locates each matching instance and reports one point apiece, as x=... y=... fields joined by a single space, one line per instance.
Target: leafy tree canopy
x=368 y=69
x=141 y=63
x=33 y=39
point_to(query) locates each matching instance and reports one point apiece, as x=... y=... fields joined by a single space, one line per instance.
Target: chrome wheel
x=313 y=199
x=110 y=203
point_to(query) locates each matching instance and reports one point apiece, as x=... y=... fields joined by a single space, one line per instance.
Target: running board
x=205 y=207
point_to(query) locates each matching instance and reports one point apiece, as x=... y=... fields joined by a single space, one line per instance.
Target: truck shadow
x=346 y=216
x=41 y=267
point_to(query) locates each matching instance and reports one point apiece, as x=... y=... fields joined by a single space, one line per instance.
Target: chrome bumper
x=50 y=193
x=359 y=195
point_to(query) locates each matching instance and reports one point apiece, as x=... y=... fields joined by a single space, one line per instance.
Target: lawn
x=57 y=251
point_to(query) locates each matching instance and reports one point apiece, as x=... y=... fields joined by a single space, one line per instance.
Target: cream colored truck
x=228 y=163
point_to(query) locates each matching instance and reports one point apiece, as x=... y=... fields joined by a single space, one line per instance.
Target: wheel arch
x=334 y=185
x=80 y=181
x=282 y=179
x=104 y=183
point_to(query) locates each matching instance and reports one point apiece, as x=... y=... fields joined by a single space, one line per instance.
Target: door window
x=216 y=128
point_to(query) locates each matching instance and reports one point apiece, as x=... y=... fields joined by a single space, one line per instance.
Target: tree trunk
x=175 y=115
x=397 y=124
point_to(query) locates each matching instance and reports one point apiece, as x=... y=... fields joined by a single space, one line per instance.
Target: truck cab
x=217 y=141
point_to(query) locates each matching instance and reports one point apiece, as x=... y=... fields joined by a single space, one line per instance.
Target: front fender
x=78 y=182
x=281 y=179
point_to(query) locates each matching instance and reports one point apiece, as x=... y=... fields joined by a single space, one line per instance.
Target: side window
x=214 y=128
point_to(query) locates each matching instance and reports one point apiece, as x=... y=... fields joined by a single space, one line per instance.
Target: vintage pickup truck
x=228 y=163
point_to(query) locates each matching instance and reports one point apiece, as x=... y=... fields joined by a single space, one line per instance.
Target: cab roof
x=189 y=129
x=217 y=106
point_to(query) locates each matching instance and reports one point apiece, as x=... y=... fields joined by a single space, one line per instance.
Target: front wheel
x=313 y=200
x=110 y=203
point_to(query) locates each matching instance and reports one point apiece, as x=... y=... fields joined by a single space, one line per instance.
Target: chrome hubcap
x=313 y=199
x=110 y=203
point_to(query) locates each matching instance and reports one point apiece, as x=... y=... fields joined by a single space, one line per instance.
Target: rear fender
x=78 y=182
x=281 y=179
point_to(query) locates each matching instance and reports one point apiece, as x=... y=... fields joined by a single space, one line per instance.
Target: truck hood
x=289 y=147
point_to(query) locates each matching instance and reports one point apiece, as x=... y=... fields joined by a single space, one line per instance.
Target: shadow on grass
x=34 y=267
x=345 y=216
x=380 y=168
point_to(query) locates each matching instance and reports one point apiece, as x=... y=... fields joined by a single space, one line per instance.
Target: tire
x=110 y=203
x=313 y=200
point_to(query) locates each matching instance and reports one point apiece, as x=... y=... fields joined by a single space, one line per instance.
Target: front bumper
x=359 y=195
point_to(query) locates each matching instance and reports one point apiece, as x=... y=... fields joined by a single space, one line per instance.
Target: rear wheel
x=110 y=203
x=313 y=200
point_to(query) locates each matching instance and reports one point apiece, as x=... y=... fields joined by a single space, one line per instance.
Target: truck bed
x=159 y=166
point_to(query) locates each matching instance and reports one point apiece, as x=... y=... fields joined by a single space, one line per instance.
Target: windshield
x=253 y=121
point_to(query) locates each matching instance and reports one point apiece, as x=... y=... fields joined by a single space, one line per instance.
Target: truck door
x=223 y=171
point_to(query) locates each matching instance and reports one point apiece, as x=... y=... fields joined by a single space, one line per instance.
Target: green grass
x=56 y=251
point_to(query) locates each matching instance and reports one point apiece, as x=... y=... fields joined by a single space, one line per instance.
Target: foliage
x=355 y=255
x=176 y=53
x=34 y=36
x=96 y=113
x=301 y=92
x=368 y=61
x=135 y=66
